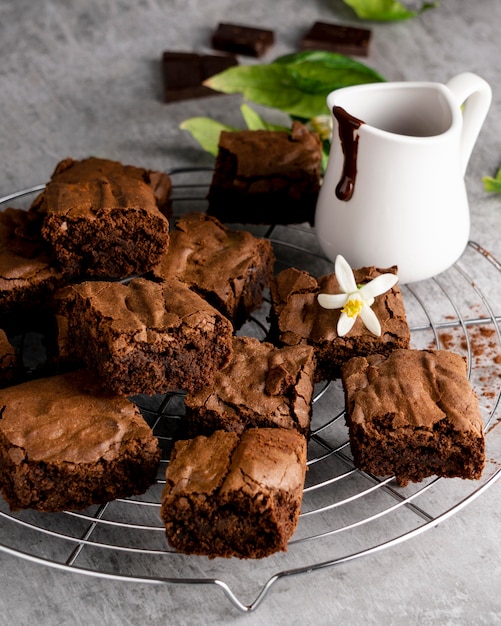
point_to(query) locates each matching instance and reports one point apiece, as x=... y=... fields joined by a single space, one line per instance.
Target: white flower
x=354 y=300
x=322 y=125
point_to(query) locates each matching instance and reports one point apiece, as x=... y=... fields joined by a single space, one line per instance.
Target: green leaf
x=206 y=131
x=255 y=122
x=326 y=146
x=493 y=185
x=297 y=84
x=386 y=10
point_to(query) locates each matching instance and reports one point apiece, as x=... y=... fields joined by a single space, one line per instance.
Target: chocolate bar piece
x=245 y=40
x=337 y=38
x=184 y=73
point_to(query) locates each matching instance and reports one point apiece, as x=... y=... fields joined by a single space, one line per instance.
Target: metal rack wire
x=346 y=514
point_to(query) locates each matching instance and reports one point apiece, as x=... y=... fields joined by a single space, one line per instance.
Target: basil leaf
x=386 y=10
x=206 y=131
x=297 y=84
x=255 y=122
x=493 y=185
x=268 y=85
x=317 y=72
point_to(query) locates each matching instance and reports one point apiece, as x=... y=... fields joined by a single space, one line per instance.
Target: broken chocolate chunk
x=184 y=73
x=337 y=38
x=245 y=40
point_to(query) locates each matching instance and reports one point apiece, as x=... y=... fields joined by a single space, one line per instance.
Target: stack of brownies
x=131 y=306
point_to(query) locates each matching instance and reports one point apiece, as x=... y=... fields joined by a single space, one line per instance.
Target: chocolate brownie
x=229 y=495
x=228 y=268
x=101 y=220
x=146 y=337
x=10 y=365
x=65 y=445
x=413 y=414
x=262 y=386
x=245 y=40
x=266 y=177
x=28 y=279
x=297 y=318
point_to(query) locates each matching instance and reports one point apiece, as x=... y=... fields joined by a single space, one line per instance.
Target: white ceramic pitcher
x=393 y=191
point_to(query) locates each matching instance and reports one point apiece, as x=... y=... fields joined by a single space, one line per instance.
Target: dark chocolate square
x=245 y=40
x=337 y=38
x=184 y=73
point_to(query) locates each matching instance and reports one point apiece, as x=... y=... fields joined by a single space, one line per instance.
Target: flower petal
x=345 y=324
x=322 y=125
x=378 y=286
x=332 y=300
x=344 y=275
x=369 y=318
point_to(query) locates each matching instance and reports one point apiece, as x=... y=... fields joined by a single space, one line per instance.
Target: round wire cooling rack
x=346 y=513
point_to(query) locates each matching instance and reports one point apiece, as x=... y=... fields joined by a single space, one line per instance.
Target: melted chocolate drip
x=348 y=126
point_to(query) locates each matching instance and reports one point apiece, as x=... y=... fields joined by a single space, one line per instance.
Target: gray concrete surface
x=81 y=77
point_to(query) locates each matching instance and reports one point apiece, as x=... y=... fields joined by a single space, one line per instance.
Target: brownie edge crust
x=104 y=219
x=227 y=495
x=66 y=445
x=146 y=337
x=413 y=414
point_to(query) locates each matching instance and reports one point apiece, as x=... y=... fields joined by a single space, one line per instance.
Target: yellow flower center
x=352 y=307
x=321 y=125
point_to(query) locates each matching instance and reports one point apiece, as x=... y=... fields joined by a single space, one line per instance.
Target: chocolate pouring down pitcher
x=393 y=191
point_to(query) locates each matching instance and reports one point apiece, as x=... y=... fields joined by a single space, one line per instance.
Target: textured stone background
x=80 y=77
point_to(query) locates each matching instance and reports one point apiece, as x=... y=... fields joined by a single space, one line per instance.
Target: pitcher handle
x=475 y=94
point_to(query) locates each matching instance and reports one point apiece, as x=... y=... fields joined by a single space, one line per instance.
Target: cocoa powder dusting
x=485 y=349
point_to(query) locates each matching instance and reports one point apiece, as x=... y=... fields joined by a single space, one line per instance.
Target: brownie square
x=184 y=73
x=245 y=40
x=266 y=177
x=229 y=268
x=337 y=38
x=66 y=445
x=28 y=279
x=146 y=337
x=262 y=386
x=10 y=364
x=102 y=220
x=297 y=318
x=413 y=414
x=229 y=495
